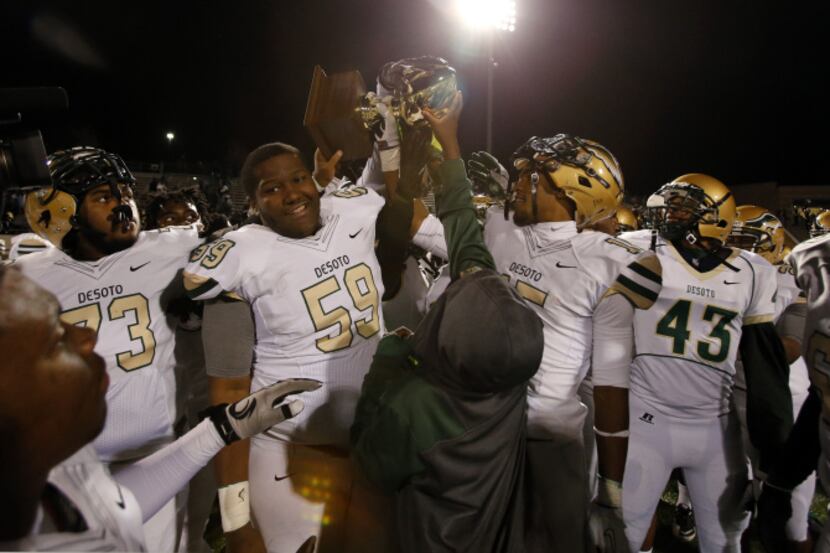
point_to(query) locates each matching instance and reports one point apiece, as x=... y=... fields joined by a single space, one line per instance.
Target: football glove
x=774 y=510
x=488 y=175
x=261 y=410
x=606 y=530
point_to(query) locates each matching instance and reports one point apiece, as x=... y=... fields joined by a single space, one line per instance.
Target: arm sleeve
x=613 y=346
x=465 y=240
x=156 y=479
x=372 y=176
x=228 y=338
x=792 y=321
x=802 y=447
x=769 y=410
x=381 y=439
x=392 y=231
x=214 y=268
x=430 y=237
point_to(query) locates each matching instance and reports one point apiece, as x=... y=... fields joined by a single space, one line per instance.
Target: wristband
x=234 y=506
x=609 y=492
x=620 y=434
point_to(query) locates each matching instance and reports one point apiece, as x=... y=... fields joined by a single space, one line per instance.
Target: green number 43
x=675 y=325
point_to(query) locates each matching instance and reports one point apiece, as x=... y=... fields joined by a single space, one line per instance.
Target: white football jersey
x=316 y=304
x=688 y=342
x=811 y=261
x=788 y=293
x=563 y=274
x=110 y=512
x=123 y=297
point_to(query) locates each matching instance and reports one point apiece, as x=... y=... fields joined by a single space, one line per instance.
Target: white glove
x=606 y=530
x=261 y=410
x=387 y=139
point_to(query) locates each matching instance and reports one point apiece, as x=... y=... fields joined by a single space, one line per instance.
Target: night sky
x=723 y=87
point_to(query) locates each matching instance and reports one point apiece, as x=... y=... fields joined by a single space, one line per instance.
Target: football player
x=120 y=282
x=713 y=299
x=309 y=273
x=52 y=404
x=627 y=220
x=759 y=231
x=810 y=262
x=570 y=278
x=820 y=225
x=177 y=209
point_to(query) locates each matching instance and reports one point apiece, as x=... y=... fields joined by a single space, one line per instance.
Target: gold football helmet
x=758 y=231
x=51 y=212
x=693 y=206
x=821 y=224
x=627 y=219
x=585 y=171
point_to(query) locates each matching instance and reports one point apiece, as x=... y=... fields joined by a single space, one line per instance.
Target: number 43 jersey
x=123 y=297
x=687 y=343
x=316 y=306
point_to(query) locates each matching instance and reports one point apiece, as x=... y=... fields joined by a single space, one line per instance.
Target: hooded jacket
x=441 y=419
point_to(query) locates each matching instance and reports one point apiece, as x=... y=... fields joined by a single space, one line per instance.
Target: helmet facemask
x=583 y=175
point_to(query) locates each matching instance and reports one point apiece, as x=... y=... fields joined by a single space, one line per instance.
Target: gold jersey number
x=361 y=286
x=89 y=316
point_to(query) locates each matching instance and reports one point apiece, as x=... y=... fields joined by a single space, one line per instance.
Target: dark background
x=734 y=89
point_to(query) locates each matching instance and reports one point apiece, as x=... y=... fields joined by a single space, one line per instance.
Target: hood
x=479 y=336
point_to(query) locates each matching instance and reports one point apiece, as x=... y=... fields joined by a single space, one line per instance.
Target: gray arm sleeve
x=228 y=338
x=792 y=321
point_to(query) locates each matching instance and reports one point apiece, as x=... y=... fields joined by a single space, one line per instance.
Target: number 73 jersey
x=315 y=302
x=687 y=343
x=123 y=297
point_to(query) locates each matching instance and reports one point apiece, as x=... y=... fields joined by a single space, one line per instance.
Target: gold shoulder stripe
x=652 y=263
x=639 y=301
x=757 y=319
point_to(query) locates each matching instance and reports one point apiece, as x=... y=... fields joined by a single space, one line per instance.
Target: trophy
x=340 y=114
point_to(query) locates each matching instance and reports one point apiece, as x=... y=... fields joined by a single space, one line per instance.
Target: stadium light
x=488 y=14
x=170 y=136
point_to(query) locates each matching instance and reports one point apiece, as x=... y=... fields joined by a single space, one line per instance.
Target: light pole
x=489 y=16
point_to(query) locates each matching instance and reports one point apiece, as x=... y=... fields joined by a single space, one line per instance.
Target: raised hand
x=445 y=126
x=325 y=169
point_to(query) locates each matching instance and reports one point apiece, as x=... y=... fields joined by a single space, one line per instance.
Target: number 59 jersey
x=123 y=297
x=316 y=306
x=687 y=343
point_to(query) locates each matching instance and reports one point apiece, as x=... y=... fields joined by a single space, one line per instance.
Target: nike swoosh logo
x=280 y=478
x=728 y=283
x=121 y=503
x=355 y=234
x=560 y=266
x=137 y=268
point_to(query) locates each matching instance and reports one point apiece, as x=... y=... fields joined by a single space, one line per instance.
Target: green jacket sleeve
x=462 y=231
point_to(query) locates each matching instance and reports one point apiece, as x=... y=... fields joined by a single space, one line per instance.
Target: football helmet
x=758 y=231
x=692 y=206
x=585 y=171
x=52 y=212
x=821 y=224
x=627 y=219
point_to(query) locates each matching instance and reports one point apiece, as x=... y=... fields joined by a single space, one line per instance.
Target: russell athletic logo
x=647 y=418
